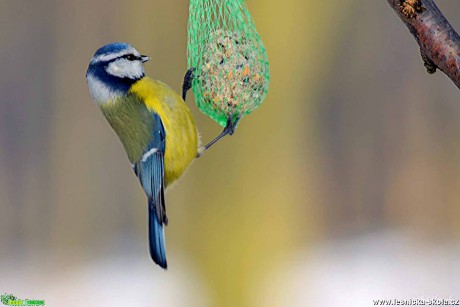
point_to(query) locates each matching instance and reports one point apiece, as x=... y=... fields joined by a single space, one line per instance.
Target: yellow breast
x=181 y=133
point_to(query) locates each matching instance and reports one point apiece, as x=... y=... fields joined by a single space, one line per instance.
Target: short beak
x=144 y=58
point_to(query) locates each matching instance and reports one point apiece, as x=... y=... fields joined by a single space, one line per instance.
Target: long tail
x=156 y=239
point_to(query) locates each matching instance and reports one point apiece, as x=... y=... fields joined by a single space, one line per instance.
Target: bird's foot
x=231 y=124
x=228 y=130
x=188 y=78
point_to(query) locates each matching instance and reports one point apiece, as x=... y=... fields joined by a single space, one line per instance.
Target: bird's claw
x=188 y=79
x=231 y=124
x=229 y=129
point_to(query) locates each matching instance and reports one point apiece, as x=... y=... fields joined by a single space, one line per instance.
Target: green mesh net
x=232 y=71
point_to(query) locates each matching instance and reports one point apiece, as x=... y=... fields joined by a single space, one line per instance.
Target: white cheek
x=126 y=69
x=100 y=92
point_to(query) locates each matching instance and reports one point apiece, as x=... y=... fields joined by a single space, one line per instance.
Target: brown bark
x=438 y=41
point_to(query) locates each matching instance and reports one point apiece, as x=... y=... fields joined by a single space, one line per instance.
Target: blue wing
x=150 y=171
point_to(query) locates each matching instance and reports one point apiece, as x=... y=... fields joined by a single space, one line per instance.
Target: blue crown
x=112 y=48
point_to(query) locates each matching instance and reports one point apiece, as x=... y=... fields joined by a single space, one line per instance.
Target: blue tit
x=152 y=122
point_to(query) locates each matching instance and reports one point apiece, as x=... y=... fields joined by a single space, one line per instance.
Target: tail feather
x=156 y=239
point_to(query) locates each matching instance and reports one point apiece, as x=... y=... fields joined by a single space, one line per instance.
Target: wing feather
x=150 y=171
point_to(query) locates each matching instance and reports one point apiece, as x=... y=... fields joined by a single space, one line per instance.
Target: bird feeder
x=231 y=75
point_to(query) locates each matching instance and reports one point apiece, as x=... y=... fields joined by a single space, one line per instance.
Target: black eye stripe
x=131 y=57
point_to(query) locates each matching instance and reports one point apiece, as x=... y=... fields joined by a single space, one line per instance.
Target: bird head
x=112 y=70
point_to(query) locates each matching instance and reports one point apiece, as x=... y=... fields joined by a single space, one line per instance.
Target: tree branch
x=438 y=41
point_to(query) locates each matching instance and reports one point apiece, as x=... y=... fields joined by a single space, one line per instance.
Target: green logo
x=11 y=300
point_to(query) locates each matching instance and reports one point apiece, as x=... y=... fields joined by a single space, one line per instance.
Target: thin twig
x=438 y=41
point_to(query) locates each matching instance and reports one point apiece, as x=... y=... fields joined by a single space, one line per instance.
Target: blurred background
x=343 y=187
